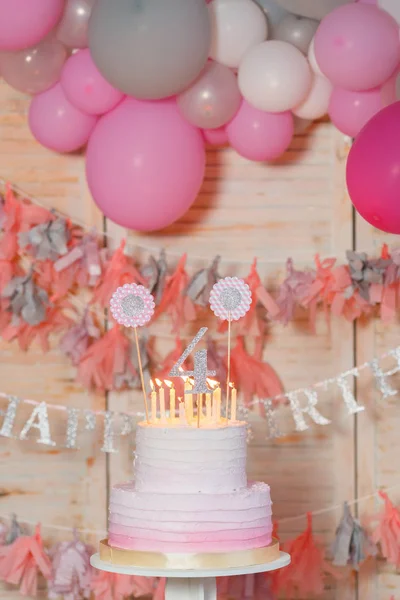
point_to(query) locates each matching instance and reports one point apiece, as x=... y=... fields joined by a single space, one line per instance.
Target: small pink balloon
x=373 y=170
x=57 y=124
x=216 y=137
x=86 y=88
x=350 y=111
x=259 y=135
x=23 y=23
x=145 y=164
x=34 y=70
x=357 y=46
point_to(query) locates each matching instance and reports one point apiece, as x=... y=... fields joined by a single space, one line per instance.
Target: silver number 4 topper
x=200 y=372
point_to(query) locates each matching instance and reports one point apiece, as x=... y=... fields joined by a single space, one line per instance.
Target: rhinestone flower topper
x=132 y=305
x=230 y=298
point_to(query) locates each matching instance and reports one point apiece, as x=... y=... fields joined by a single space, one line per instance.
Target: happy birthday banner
x=303 y=404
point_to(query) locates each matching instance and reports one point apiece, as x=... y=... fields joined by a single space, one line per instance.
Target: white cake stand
x=199 y=584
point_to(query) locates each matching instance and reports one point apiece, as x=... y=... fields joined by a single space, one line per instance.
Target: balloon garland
x=246 y=73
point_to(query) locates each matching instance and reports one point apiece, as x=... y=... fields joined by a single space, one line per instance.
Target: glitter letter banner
x=305 y=405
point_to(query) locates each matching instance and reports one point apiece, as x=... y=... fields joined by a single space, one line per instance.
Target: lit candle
x=217 y=405
x=199 y=408
x=208 y=407
x=153 y=398
x=233 y=403
x=163 y=416
x=172 y=407
x=188 y=400
x=182 y=412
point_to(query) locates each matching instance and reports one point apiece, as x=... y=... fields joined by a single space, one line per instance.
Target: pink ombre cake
x=190 y=493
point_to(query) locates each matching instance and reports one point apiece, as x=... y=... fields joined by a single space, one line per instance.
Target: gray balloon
x=298 y=31
x=150 y=49
x=213 y=99
x=314 y=9
x=275 y=14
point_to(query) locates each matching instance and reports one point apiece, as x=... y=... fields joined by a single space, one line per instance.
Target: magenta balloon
x=350 y=111
x=216 y=137
x=259 y=135
x=24 y=23
x=145 y=164
x=86 y=88
x=57 y=124
x=373 y=170
x=357 y=46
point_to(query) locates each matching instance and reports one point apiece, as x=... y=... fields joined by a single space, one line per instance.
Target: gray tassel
x=200 y=285
x=364 y=272
x=46 y=241
x=27 y=300
x=14 y=532
x=156 y=272
x=351 y=543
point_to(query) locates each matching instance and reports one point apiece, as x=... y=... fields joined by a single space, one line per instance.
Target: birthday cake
x=190 y=504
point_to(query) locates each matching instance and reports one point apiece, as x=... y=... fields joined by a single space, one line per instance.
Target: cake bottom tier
x=187 y=523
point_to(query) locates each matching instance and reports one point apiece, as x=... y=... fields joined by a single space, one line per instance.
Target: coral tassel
x=25 y=558
x=387 y=532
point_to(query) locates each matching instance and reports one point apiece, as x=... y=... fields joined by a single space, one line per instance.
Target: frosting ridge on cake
x=190 y=493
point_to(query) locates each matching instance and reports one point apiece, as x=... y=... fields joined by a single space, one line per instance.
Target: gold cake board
x=203 y=560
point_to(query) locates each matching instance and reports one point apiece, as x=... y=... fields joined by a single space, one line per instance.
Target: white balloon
x=316 y=104
x=274 y=76
x=236 y=26
x=314 y=9
x=313 y=60
x=392 y=7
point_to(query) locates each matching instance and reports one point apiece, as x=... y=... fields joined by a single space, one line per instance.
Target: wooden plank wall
x=297 y=207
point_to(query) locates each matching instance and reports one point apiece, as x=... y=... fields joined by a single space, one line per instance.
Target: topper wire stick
x=199 y=397
x=228 y=375
x=141 y=375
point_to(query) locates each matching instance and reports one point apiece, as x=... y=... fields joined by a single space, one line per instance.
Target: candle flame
x=152 y=385
x=158 y=382
x=212 y=382
x=168 y=383
x=232 y=385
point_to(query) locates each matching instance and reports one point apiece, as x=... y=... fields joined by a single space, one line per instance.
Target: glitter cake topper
x=132 y=305
x=230 y=299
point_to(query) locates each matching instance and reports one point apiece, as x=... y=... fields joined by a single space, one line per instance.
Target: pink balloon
x=86 y=88
x=145 y=164
x=259 y=135
x=373 y=170
x=216 y=137
x=357 y=46
x=58 y=125
x=23 y=23
x=350 y=111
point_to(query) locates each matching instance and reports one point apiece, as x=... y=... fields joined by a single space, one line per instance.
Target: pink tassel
x=174 y=302
x=83 y=263
x=346 y=301
x=25 y=558
x=117 y=272
x=306 y=572
x=8 y=270
x=159 y=592
x=111 y=586
x=252 y=324
x=104 y=359
x=296 y=287
x=254 y=377
x=142 y=586
x=77 y=339
x=72 y=572
x=55 y=322
x=387 y=532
